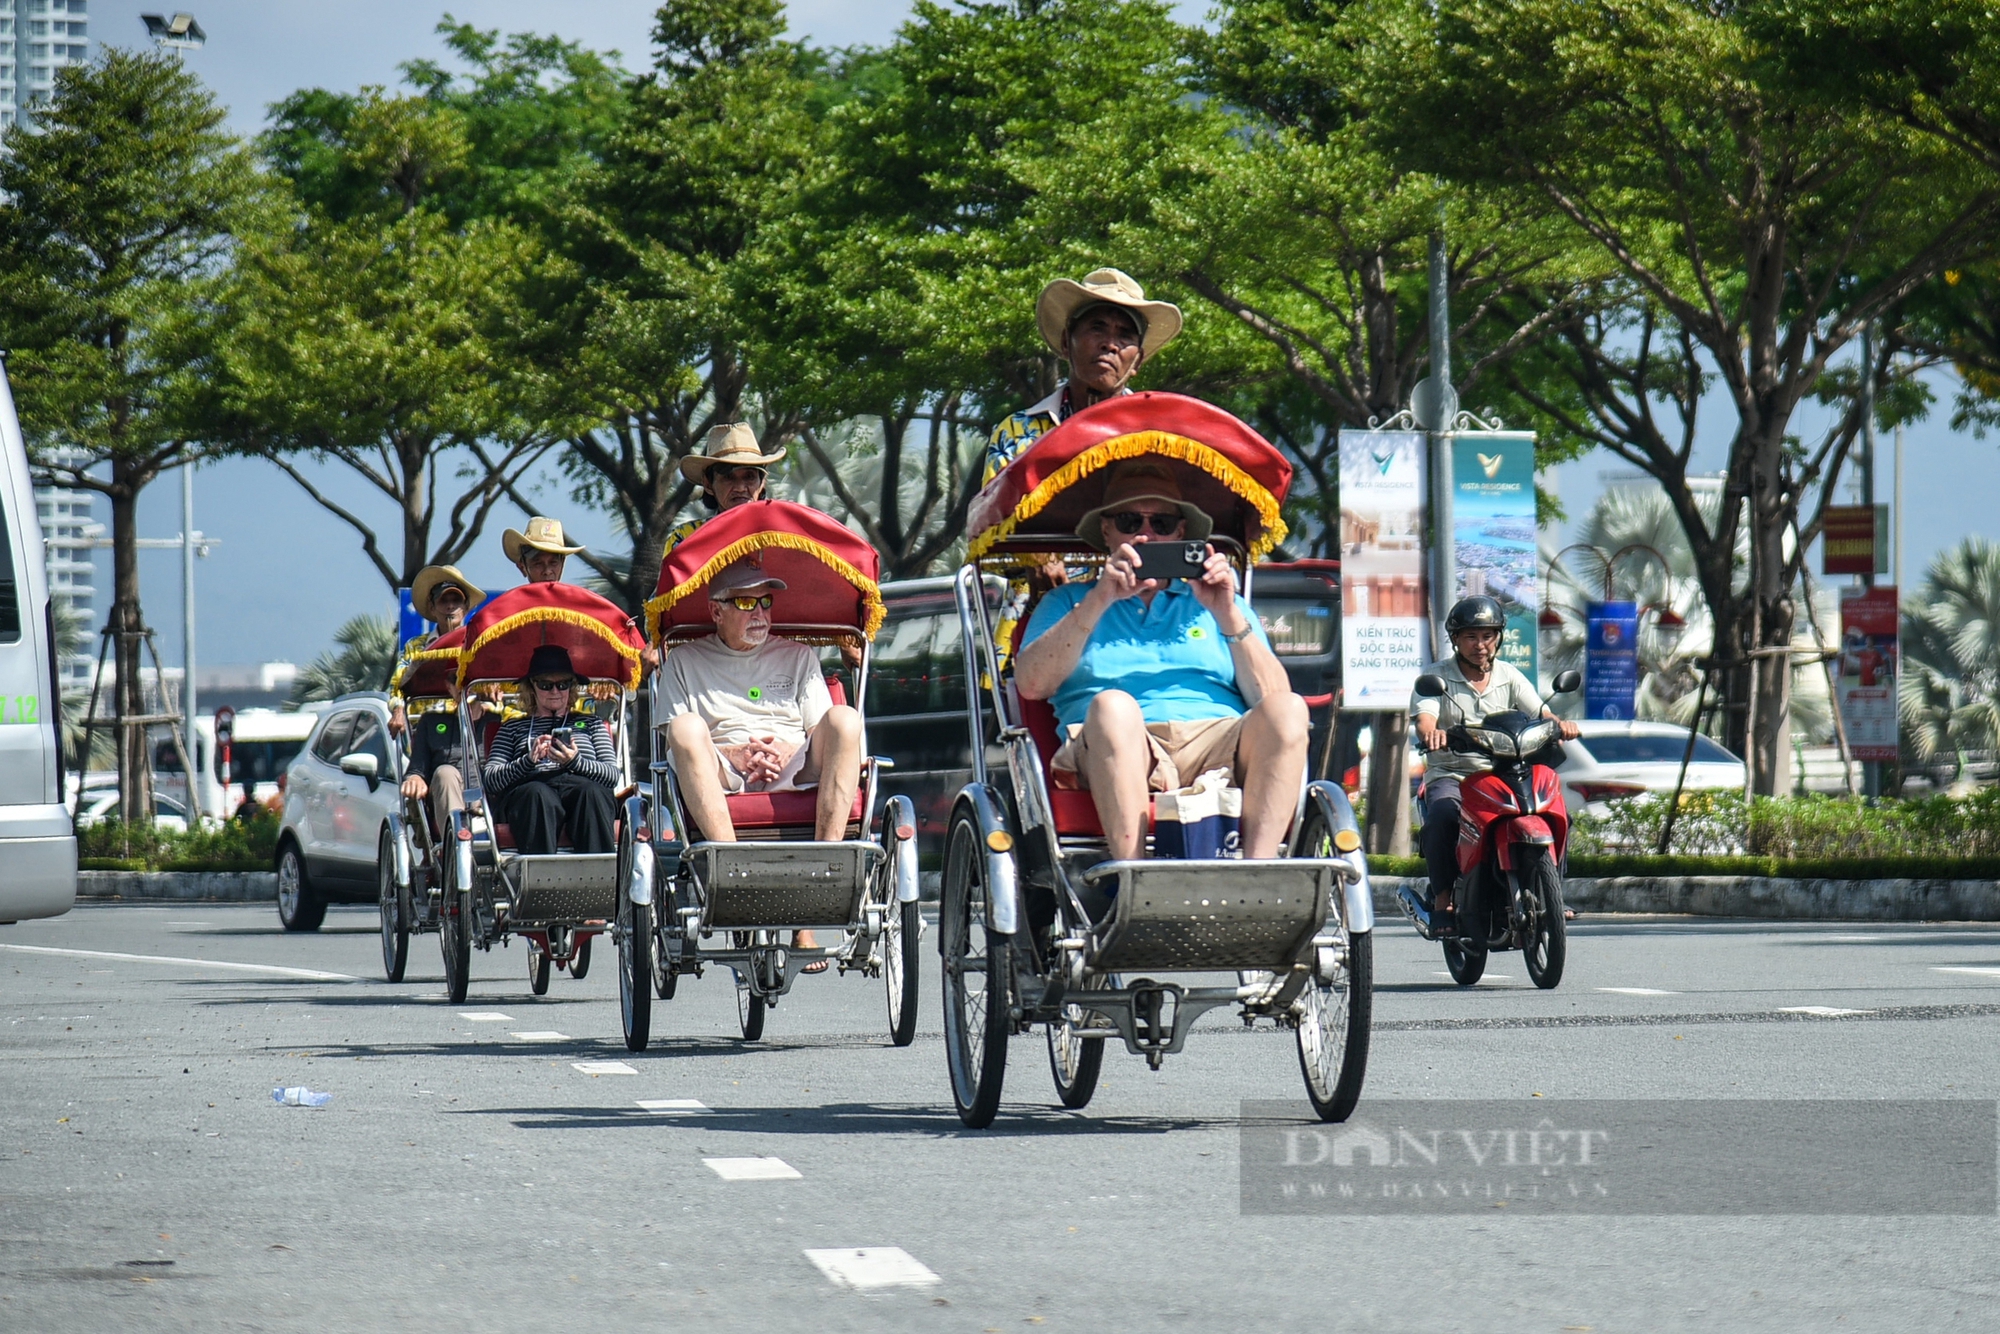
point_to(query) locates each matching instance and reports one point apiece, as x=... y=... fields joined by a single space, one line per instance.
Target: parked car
x=916 y=684
x=102 y=804
x=339 y=792
x=1615 y=760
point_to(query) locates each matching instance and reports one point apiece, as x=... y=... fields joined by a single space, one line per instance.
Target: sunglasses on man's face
x=750 y=604
x=564 y=685
x=1131 y=521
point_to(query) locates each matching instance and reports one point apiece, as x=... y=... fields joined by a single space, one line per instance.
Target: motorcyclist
x=1477 y=683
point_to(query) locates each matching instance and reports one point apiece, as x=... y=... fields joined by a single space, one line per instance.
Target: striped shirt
x=508 y=766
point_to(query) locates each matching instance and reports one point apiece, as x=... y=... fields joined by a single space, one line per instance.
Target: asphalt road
x=468 y=1177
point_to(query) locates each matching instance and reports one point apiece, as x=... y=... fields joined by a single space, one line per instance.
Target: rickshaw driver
x=1155 y=686
x=1478 y=683
x=441 y=596
x=749 y=713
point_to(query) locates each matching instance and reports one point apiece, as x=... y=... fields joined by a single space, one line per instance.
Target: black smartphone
x=1172 y=560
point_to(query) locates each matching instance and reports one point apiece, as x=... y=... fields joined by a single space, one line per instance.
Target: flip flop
x=816 y=966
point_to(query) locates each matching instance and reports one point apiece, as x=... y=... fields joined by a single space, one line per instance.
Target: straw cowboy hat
x=1141 y=479
x=542 y=535
x=1159 y=321
x=434 y=577
x=733 y=446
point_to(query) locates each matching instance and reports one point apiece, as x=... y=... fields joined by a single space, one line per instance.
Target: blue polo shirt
x=1170 y=656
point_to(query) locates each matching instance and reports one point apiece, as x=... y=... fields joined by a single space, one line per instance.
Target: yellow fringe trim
x=567 y=617
x=737 y=550
x=1211 y=461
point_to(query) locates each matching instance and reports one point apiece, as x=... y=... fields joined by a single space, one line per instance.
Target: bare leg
x=700 y=773
x=1116 y=758
x=834 y=761
x=1271 y=763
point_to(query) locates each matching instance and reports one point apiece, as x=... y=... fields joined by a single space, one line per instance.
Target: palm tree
x=364 y=660
x=1949 y=687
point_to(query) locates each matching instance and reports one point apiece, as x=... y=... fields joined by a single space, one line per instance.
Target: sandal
x=803 y=940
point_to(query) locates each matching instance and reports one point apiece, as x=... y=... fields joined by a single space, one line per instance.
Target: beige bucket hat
x=434 y=577
x=1159 y=321
x=542 y=535
x=734 y=445
x=1141 y=479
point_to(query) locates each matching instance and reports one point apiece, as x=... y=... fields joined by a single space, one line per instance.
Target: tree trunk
x=135 y=769
x=1389 y=786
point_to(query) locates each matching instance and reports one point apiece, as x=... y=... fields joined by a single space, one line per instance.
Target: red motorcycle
x=1513 y=833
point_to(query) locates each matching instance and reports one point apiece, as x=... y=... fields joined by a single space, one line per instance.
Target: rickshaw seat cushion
x=836 y=689
x=765 y=810
x=503 y=834
x=1075 y=811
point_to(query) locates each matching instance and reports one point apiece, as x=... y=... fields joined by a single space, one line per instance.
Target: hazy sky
x=286 y=573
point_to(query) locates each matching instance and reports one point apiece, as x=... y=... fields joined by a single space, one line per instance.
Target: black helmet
x=1481 y=613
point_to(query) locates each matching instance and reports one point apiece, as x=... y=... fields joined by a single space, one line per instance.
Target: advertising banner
x=1384 y=628
x=1854 y=540
x=409 y=621
x=1866 y=681
x=1493 y=531
x=1611 y=660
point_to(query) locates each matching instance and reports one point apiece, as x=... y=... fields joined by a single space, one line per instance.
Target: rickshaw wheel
x=538 y=967
x=1335 y=1013
x=579 y=963
x=1075 y=1062
x=455 y=934
x=901 y=930
x=666 y=981
x=389 y=898
x=749 y=1011
x=976 y=963
x=635 y=976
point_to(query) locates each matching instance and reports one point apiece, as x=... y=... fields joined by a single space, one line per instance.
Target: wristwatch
x=1241 y=635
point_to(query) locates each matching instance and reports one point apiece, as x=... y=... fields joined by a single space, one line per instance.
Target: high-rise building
x=70 y=534
x=37 y=38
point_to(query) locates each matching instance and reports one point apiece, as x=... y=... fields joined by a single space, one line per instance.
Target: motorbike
x=1513 y=840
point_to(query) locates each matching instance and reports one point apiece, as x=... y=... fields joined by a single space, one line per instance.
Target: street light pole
x=1871 y=770
x=187 y=638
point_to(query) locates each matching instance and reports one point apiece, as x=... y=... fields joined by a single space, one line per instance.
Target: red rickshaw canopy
x=603 y=643
x=433 y=669
x=1224 y=467
x=829 y=570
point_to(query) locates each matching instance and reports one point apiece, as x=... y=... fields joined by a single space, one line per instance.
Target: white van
x=37 y=842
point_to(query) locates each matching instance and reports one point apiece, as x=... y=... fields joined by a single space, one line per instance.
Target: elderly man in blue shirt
x=1155 y=685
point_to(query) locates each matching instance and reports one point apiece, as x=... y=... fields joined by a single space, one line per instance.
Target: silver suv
x=339 y=794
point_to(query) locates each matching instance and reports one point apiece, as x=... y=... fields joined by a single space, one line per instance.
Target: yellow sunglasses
x=751 y=604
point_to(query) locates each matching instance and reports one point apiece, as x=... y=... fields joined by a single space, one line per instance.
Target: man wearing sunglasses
x=1155 y=685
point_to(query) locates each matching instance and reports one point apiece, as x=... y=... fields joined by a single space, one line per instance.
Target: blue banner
x=409 y=622
x=1494 y=532
x=1611 y=660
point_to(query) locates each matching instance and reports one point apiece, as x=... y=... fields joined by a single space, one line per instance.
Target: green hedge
x=1815 y=829
x=236 y=846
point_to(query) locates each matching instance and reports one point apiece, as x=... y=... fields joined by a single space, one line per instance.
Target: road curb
x=1763 y=896
x=176 y=886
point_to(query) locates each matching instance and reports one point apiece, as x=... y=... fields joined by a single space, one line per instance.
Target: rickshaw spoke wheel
x=635 y=975
x=901 y=928
x=1335 y=1012
x=750 y=1009
x=455 y=934
x=975 y=981
x=579 y=960
x=538 y=967
x=1075 y=1062
x=389 y=898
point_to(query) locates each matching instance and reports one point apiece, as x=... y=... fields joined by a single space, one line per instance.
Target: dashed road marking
x=1638 y=991
x=1959 y=968
x=486 y=1017
x=873 y=1267
x=753 y=1169
x=1823 y=1011
x=603 y=1067
x=1490 y=977
x=672 y=1106
x=273 y=970
x=541 y=1035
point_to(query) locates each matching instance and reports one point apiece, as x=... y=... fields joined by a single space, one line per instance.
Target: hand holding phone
x=1171 y=560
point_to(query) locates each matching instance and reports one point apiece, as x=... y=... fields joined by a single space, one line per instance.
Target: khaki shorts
x=1182 y=752
x=800 y=774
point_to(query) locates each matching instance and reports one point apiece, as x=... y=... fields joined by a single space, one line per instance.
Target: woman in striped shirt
x=553 y=769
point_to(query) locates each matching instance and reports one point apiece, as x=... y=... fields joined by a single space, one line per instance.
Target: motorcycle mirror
x=1432 y=687
x=1565 y=682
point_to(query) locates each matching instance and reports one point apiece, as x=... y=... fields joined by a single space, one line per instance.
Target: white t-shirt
x=774 y=690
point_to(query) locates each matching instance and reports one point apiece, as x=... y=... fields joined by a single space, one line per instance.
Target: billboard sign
x=1385 y=626
x=1494 y=533
x=1853 y=539
x=1866 y=680
x=1611 y=660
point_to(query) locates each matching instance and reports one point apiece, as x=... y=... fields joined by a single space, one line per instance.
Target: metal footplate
x=774 y=886
x=1200 y=916
x=562 y=887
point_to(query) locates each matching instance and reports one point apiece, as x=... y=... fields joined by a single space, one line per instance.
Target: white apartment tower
x=37 y=38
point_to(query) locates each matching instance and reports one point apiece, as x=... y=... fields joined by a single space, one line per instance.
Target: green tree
x=1949 y=684
x=1757 y=222
x=117 y=216
x=363 y=659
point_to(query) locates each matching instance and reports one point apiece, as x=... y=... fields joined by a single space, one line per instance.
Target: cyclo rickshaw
x=1024 y=859
x=737 y=904
x=409 y=867
x=556 y=902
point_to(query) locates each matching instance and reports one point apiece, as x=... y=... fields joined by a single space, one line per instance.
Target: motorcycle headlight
x=1495 y=743
x=1541 y=734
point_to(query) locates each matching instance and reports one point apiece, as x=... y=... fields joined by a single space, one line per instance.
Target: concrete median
x=177 y=886
x=1763 y=897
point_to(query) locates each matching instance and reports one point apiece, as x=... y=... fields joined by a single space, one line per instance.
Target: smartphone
x=1172 y=560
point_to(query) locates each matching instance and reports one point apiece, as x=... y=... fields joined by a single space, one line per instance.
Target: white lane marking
x=1638 y=991
x=1976 y=972
x=1854 y=940
x=1823 y=1011
x=269 y=968
x=872 y=1267
x=752 y=1169
x=486 y=1016
x=541 y=1035
x=1490 y=977
x=603 y=1067
x=672 y=1106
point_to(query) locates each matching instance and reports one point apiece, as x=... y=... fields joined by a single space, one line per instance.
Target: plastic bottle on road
x=300 y=1096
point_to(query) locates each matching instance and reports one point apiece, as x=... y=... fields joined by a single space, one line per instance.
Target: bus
x=37 y=840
